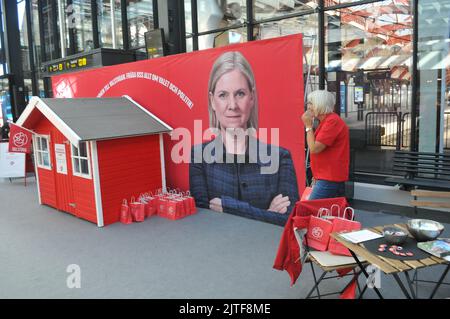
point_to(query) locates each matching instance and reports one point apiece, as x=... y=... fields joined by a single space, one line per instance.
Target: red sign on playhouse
x=19 y=140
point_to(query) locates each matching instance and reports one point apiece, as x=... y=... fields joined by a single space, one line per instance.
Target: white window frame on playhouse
x=40 y=151
x=76 y=157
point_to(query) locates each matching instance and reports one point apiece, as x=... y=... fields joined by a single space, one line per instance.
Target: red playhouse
x=91 y=153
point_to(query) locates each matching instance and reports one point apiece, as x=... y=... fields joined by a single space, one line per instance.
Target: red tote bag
x=171 y=209
x=186 y=203
x=137 y=210
x=125 y=215
x=341 y=224
x=150 y=206
x=181 y=209
x=162 y=206
x=175 y=208
x=319 y=230
x=312 y=207
x=191 y=201
x=187 y=206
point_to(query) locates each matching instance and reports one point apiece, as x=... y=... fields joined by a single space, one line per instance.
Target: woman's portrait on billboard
x=236 y=172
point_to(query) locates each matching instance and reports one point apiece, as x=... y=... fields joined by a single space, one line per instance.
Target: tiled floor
x=207 y=255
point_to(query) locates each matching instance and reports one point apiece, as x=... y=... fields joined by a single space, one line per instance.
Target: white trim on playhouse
x=148 y=112
x=163 y=164
x=97 y=188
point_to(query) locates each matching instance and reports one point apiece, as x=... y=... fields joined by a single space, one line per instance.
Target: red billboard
x=177 y=89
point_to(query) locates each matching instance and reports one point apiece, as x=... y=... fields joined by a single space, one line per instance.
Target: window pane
x=369 y=52
x=189 y=45
x=68 y=23
x=84 y=167
x=265 y=9
x=23 y=28
x=110 y=25
x=38 y=146
x=307 y=25
x=80 y=19
x=188 y=16
x=434 y=76
x=39 y=157
x=46 y=160
x=220 y=39
x=74 y=151
x=49 y=17
x=216 y=14
x=140 y=20
x=76 y=164
x=35 y=29
x=44 y=144
x=83 y=150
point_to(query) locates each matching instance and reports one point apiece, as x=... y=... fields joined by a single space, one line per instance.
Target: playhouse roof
x=85 y=119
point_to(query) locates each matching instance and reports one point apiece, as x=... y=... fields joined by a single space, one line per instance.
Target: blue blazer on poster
x=242 y=186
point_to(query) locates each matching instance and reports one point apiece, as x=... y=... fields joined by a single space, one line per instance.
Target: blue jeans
x=326 y=189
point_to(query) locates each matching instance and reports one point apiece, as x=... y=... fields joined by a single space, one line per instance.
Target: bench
x=430 y=171
x=441 y=199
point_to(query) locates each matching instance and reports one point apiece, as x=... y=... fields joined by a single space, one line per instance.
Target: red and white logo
x=20 y=139
x=317 y=232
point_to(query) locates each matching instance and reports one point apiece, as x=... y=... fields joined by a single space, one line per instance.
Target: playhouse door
x=63 y=173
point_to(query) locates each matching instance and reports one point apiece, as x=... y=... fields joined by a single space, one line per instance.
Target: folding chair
x=328 y=263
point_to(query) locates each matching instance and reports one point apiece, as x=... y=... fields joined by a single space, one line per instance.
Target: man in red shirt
x=329 y=146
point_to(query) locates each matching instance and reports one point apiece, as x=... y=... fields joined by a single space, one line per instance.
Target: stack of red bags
x=175 y=204
x=138 y=210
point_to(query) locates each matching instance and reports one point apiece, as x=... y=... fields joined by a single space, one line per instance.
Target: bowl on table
x=424 y=229
x=394 y=235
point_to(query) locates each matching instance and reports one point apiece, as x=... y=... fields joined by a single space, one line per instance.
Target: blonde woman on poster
x=228 y=174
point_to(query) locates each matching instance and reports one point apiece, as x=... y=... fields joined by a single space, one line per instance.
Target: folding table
x=394 y=267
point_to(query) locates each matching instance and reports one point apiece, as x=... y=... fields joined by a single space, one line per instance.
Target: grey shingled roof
x=104 y=118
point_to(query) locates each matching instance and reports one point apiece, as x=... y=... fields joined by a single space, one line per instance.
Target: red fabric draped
x=288 y=253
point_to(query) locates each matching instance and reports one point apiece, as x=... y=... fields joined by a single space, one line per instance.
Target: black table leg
x=440 y=281
x=357 y=283
x=362 y=292
x=402 y=287
x=410 y=284
x=363 y=269
x=416 y=279
x=355 y=277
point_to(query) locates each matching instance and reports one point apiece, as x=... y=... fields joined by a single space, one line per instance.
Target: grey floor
x=207 y=255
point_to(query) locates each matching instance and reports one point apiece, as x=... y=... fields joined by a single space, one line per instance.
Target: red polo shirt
x=332 y=164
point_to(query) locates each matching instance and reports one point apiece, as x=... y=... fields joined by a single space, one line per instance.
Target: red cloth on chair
x=350 y=291
x=288 y=253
